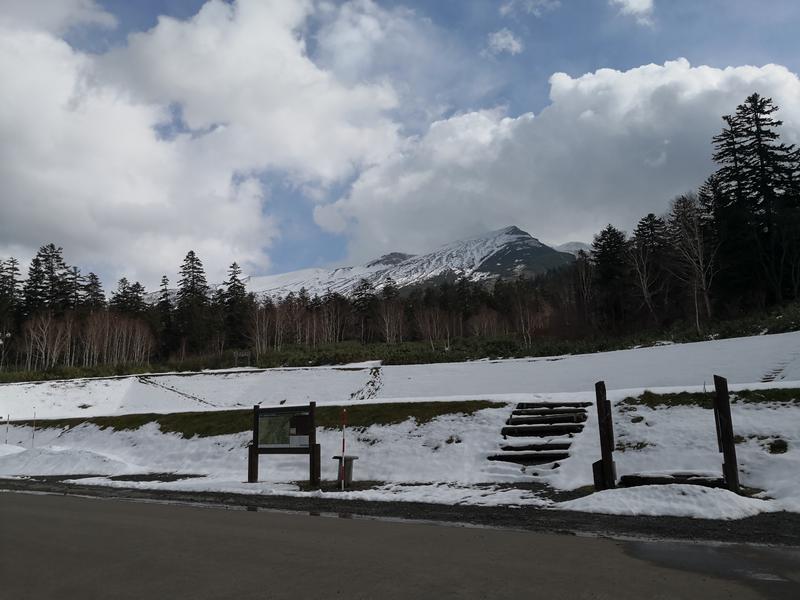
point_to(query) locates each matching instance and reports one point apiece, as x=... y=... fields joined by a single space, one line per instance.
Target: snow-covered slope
x=741 y=360
x=507 y=252
x=573 y=247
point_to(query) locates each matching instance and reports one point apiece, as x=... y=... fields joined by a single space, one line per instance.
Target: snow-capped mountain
x=505 y=253
x=573 y=247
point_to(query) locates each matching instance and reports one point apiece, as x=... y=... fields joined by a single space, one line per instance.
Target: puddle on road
x=772 y=571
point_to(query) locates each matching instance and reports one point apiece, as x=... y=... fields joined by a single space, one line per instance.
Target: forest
x=724 y=254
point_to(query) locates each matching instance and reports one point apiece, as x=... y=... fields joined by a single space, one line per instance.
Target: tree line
x=725 y=250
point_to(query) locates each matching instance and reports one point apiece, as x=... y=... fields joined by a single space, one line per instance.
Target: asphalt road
x=69 y=547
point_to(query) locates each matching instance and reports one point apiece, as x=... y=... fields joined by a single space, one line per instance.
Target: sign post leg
x=725 y=437
x=315 y=456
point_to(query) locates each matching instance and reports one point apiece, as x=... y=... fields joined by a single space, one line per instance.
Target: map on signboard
x=287 y=430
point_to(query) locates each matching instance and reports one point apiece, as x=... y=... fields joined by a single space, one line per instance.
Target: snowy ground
x=741 y=360
x=444 y=460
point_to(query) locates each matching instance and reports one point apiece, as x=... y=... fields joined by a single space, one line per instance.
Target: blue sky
x=422 y=121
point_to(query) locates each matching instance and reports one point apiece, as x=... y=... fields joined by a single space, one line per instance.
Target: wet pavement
x=70 y=547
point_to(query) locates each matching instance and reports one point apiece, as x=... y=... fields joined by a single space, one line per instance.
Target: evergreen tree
x=609 y=255
x=165 y=325
x=758 y=175
x=93 y=296
x=73 y=287
x=363 y=303
x=57 y=288
x=128 y=298
x=237 y=307
x=9 y=294
x=191 y=313
x=34 y=290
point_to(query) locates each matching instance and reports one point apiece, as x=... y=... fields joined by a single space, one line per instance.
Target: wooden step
x=540 y=430
x=546 y=420
x=666 y=479
x=524 y=405
x=546 y=447
x=530 y=458
x=533 y=412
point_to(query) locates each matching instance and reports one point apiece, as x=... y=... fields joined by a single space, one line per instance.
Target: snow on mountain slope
x=573 y=247
x=503 y=253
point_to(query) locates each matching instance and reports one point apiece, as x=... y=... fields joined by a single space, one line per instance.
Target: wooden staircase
x=549 y=427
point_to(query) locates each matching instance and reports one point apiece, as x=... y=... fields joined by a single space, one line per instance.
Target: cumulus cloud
x=429 y=69
x=641 y=10
x=131 y=158
x=611 y=146
x=504 y=41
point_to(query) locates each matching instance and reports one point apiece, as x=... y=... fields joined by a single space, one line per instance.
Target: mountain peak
x=504 y=253
x=512 y=230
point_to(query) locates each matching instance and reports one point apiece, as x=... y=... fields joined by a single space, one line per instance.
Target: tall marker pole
x=8 y=418
x=33 y=433
x=342 y=470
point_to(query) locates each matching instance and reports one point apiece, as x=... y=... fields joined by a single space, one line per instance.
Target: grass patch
x=705 y=399
x=783 y=395
x=653 y=400
x=624 y=446
x=226 y=422
x=778 y=446
x=364 y=415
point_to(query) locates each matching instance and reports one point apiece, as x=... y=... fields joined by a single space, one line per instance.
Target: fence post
x=604 y=470
x=252 y=452
x=314 y=450
x=725 y=438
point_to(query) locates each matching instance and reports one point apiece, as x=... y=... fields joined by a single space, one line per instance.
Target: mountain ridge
x=504 y=253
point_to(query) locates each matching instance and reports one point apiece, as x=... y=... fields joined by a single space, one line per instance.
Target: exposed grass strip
x=705 y=399
x=226 y=422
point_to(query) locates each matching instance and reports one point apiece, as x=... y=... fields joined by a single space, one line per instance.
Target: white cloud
x=641 y=10
x=504 y=41
x=83 y=165
x=531 y=7
x=53 y=15
x=611 y=146
x=428 y=68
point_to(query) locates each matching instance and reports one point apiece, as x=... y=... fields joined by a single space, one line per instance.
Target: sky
x=285 y=134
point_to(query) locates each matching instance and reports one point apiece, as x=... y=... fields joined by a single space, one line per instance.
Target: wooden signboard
x=284 y=430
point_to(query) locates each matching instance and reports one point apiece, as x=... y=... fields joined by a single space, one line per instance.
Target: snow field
x=741 y=360
x=443 y=460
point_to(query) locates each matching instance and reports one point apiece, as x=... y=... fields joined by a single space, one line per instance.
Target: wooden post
x=604 y=470
x=252 y=454
x=314 y=451
x=725 y=438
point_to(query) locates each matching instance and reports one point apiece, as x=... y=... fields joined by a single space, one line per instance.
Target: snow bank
x=63 y=461
x=677 y=500
x=8 y=449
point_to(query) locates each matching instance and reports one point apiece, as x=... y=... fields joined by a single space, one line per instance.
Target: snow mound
x=61 y=461
x=8 y=449
x=676 y=500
